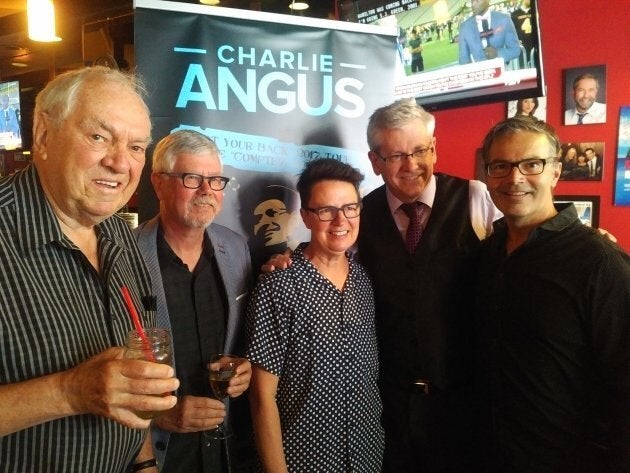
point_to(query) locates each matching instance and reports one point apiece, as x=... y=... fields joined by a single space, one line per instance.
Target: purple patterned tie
x=414 y=231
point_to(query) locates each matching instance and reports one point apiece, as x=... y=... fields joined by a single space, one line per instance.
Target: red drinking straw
x=136 y=322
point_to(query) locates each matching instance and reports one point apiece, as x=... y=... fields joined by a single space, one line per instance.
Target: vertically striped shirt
x=56 y=311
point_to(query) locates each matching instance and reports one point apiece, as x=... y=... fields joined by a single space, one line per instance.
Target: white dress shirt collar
x=485 y=16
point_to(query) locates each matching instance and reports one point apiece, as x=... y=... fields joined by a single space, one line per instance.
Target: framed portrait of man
x=585 y=95
x=622 y=163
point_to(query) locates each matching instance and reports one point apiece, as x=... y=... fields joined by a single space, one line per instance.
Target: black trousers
x=429 y=433
x=417 y=63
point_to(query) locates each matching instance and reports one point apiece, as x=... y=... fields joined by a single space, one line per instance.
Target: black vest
x=423 y=301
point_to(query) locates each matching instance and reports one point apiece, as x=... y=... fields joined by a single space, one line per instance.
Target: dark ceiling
x=76 y=19
x=91 y=30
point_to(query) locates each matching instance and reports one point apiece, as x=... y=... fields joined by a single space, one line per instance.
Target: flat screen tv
x=448 y=57
x=10 y=116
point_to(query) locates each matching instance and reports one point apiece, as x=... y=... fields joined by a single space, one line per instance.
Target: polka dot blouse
x=321 y=343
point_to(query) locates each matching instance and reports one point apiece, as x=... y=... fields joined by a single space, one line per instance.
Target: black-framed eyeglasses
x=328 y=214
x=421 y=153
x=194 y=181
x=527 y=167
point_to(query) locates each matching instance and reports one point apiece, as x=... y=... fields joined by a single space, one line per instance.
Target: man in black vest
x=422 y=292
x=422 y=295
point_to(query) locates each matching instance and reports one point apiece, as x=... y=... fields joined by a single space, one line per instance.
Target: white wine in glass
x=221 y=369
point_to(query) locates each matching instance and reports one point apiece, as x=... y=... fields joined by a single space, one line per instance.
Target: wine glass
x=221 y=369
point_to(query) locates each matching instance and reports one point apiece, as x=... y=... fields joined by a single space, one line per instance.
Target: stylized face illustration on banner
x=275 y=220
x=277 y=216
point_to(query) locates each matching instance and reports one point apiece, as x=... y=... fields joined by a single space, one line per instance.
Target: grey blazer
x=233 y=260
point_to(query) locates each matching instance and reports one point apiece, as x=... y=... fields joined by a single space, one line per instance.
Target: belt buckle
x=423 y=385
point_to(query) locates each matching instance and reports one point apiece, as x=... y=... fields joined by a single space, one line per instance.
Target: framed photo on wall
x=622 y=164
x=587 y=207
x=532 y=107
x=585 y=95
x=582 y=161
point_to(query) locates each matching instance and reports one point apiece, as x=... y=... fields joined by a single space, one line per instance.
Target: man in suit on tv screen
x=9 y=122
x=487 y=35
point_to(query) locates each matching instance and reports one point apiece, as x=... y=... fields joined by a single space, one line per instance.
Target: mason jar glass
x=155 y=347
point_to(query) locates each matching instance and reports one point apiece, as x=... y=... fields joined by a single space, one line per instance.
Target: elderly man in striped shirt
x=67 y=397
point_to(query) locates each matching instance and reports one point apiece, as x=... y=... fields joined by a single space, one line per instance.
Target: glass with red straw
x=151 y=344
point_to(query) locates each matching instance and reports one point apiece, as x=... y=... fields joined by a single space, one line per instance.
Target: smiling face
x=90 y=163
x=527 y=106
x=585 y=94
x=526 y=201
x=189 y=208
x=571 y=154
x=407 y=178
x=337 y=236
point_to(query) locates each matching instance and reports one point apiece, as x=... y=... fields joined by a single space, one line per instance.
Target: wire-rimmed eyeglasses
x=328 y=214
x=194 y=181
x=421 y=153
x=527 y=167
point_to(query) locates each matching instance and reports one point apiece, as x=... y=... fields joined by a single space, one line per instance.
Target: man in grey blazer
x=201 y=275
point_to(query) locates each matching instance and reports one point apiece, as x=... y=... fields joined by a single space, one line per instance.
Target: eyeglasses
x=397 y=158
x=194 y=181
x=328 y=214
x=527 y=167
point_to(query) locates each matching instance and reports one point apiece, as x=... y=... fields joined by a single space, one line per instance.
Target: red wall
x=575 y=33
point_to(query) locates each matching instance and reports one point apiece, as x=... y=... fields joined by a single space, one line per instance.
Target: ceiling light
x=19 y=64
x=210 y=2
x=298 y=5
x=41 y=20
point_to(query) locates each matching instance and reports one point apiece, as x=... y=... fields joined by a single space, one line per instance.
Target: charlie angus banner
x=273 y=91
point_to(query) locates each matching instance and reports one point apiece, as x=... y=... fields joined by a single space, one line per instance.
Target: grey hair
x=520 y=124
x=397 y=115
x=586 y=75
x=181 y=141
x=59 y=97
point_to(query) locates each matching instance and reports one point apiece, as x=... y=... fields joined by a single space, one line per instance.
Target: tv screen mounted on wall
x=10 y=116
x=447 y=56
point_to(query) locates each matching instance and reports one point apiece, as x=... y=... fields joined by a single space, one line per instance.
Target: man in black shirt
x=522 y=19
x=201 y=275
x=415 y=47
x=553 y=320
